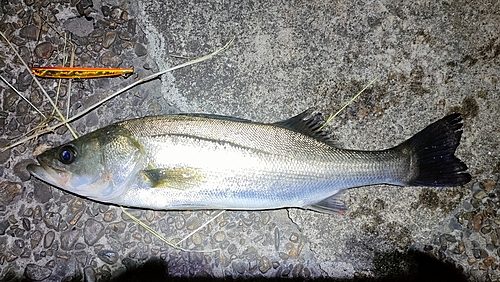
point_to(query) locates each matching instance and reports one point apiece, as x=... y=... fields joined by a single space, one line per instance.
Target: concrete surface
x=430 y=58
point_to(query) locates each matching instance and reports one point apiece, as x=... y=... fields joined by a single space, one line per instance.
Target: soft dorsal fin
x=308 y=124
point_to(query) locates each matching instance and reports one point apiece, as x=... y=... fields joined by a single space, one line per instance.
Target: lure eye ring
x=67 y=154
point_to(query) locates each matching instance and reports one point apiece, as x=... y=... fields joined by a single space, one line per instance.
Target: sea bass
x=197 y=161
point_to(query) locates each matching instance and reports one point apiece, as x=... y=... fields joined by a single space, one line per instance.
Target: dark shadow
x=411 y=266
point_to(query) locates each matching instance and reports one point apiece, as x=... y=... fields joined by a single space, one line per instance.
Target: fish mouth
x=53 y=176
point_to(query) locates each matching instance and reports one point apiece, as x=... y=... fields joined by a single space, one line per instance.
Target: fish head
x=100 y=165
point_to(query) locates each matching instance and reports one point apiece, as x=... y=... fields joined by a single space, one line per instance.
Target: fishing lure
x=79 y=72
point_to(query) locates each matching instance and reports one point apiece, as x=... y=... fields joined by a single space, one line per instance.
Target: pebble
x=19 y=243
x=489 y=261
x=134 y=212
x=42 y=192
x=219 y=236
x=118 y=227
x=196 y=238
x=89 y=274
x=140 y=50
x=110 y=215
x=106 y=10
x=264 y=264
x=486 y=229
x=297 y=270
x=52 y=220
x=479 y=253
x=29 y=32
x=193 y=222
x=109 y=39
x=477 y=222
x=35 y=238
x=110 y=59
x=93 y=231
x=44 y=50
x=489 y=185
x=276 y=238
x=69 y=238
x=3 y=226
x=179 y=222
x=108 y=256
x=239 y=267
x=9 y=191
x=36 y=272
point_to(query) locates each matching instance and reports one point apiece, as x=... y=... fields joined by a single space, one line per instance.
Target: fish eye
x=67 y=154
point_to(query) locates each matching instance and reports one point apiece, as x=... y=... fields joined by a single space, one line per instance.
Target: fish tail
x=433 y=161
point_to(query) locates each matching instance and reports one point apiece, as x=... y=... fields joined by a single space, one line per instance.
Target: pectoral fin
x=332 y=205
x=176 y=178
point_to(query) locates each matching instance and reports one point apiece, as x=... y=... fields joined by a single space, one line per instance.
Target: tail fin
x=433 y=154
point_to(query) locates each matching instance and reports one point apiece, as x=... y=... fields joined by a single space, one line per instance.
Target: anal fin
x=332 y=205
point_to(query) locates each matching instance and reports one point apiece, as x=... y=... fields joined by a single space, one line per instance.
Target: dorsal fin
x=308 y=123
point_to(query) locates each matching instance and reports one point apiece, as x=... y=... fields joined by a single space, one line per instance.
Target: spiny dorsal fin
x=308 y=123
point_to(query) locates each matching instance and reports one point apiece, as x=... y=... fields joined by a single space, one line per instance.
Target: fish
x=204 y=161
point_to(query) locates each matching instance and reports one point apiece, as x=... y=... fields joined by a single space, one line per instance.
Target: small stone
x=486 y=229
x=482 y=266
x=297 y=270
x=44 y=50
x=219 y=236
x=48 y=239
x=35 y=238
x=196 y=238
x=134 y=212
x=264 y=264
x=179 y=222
x=36 y=272
x=118 y=227
x=106 y=10
x=284 y=256
x=480 y=195
x=9 y=191
x=239 y=267
x=479 y=253
x=29 y=32
x=109 y=39
x=193 y=223
x=108 y=256
x=477 y=222
x=93 y=231
x=471 y=261
x=140 y=50
x=52 y=220
x=294 y=237
x=89 y=274
x=489 y=185
x=110 y=59
x=110 y=215
x=42 y=192
x=26 y=224
x=307 y=272
x=3 y=226
x=69 y=238
x=489 y=261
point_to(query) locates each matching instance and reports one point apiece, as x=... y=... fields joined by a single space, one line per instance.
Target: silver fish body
x=214 y=162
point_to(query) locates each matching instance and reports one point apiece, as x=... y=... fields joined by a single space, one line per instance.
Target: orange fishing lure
x=78 y=72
